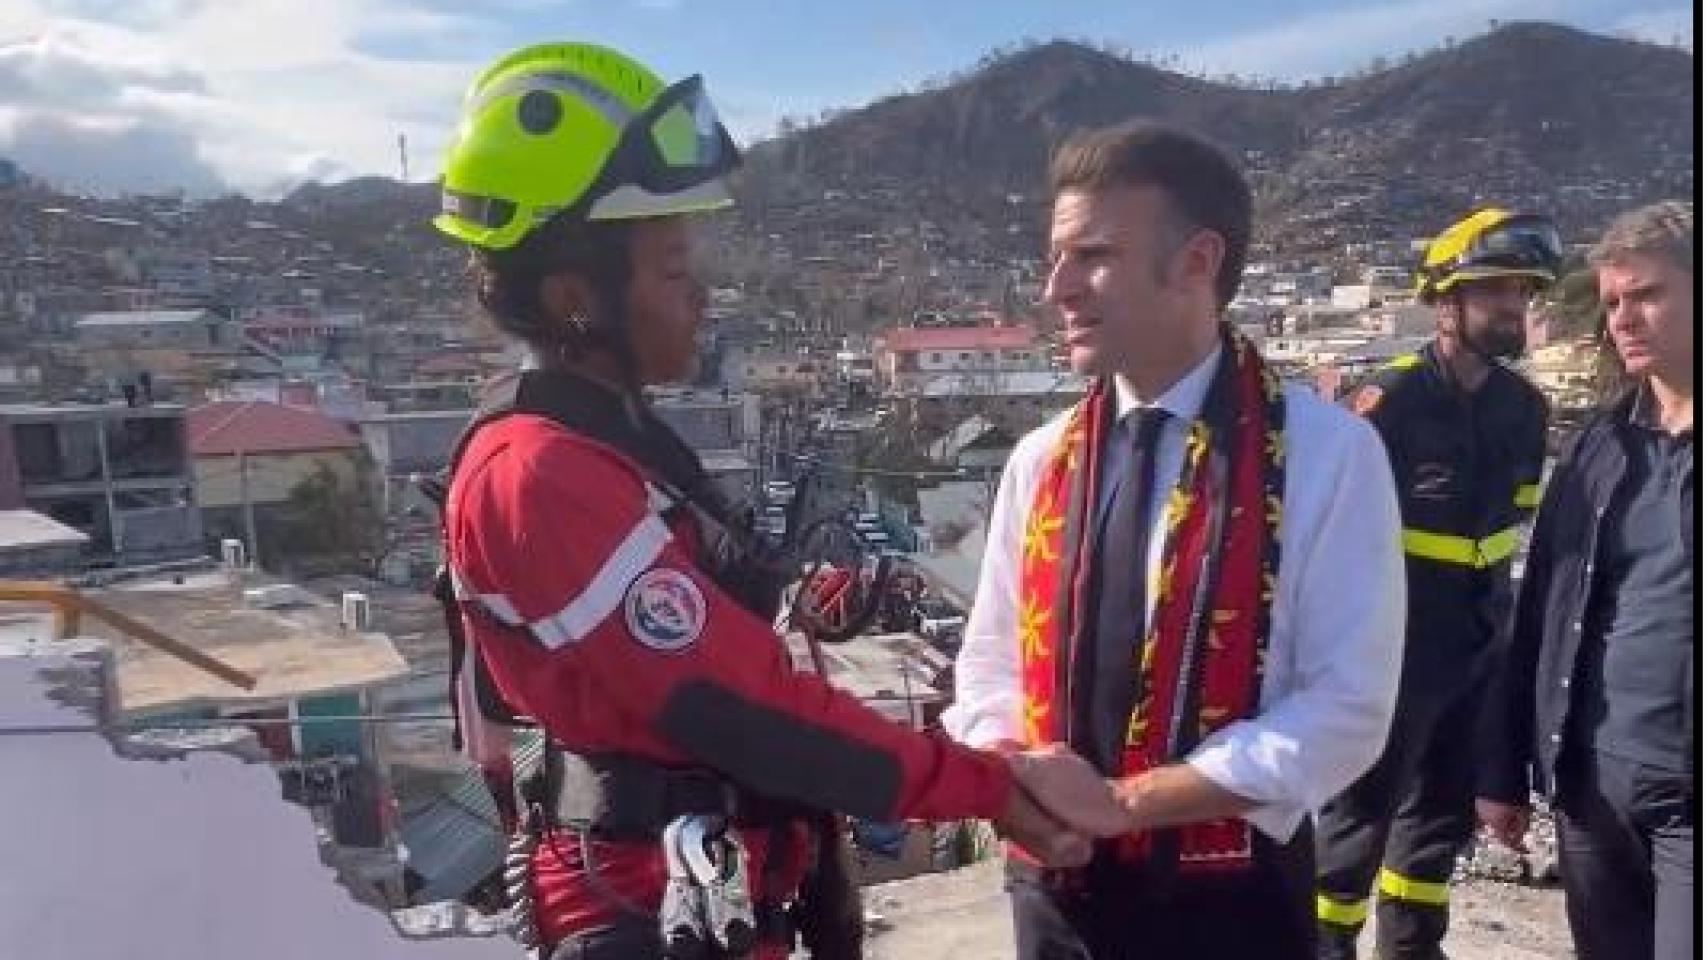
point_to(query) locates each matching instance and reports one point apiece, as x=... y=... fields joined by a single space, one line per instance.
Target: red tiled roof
x=909 y=339
x=226 y=427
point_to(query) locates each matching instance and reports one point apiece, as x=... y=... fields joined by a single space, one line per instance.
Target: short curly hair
x=507 y=283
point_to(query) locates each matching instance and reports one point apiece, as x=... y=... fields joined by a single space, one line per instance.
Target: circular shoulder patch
x=1366 y=399
x=665 y=610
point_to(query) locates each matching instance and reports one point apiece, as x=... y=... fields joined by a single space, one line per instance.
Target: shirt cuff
x=1279 y=821
x=977 y=729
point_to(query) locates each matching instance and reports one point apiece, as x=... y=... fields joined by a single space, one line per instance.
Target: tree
x=331 y=519
x=1575 y=304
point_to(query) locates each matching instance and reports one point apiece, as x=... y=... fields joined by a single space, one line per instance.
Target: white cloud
x=254 y=95
x=1663 y=25
x=123 y=157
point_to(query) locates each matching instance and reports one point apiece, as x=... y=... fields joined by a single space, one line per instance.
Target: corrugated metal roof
x=455 y=840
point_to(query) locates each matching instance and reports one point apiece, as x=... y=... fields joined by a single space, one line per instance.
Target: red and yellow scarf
x=1201 y=663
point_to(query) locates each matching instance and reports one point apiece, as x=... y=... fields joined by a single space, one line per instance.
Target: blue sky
x=258 y=94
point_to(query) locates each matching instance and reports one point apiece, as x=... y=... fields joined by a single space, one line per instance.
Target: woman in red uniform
x=602 y=586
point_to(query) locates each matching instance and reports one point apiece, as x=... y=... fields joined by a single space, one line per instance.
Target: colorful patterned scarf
x=1200 y=666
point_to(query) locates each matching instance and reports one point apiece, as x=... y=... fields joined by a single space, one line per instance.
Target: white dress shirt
x=1182 y=402
x=1337 y=624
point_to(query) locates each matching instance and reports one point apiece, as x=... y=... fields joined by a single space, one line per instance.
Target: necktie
x=1106 y=685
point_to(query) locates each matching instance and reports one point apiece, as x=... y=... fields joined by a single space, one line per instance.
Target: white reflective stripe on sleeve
x=657 y=498
x=496 y=603
x=501 y=608
x=604 y=594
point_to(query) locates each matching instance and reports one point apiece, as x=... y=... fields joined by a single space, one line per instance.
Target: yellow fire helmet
x=1491 y=242
x=581 y=129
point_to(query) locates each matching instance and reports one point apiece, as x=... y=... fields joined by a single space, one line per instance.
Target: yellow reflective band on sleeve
x=1439 y=546
x=1328 y=910
x=1404 y=361
x=1463 y=551
x=1528 y=496
x=1400 y=887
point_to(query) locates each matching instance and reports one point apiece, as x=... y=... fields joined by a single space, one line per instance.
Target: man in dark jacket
x=1597 y=690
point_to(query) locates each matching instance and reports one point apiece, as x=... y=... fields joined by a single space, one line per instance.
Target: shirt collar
x=1644 y=413
x=1183 y=400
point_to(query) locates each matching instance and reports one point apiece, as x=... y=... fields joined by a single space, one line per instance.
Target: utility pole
x=248 y=507
x=115 y=523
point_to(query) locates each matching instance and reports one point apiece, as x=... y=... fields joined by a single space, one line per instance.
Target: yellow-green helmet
x=1491 y=242
x=581 y=128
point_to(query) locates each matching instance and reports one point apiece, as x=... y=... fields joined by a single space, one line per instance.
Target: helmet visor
x=1521 y=244
x=667 y=158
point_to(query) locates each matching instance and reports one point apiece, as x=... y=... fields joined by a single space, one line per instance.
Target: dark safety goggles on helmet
x=1527 y=243
x=675 y=148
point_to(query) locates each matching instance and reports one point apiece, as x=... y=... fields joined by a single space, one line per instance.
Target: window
x=145 y=447
x=57 y=452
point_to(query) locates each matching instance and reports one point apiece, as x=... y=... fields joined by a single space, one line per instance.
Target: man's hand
x=1507 y=822
x=1174 y=795
x=1067 y=787
x=1041 y=835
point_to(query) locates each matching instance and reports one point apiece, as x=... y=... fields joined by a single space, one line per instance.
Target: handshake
x=1060 y=804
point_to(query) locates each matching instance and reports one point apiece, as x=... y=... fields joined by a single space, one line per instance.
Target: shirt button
x=1577 y=626
x=1555 y=738
x=1565 y=683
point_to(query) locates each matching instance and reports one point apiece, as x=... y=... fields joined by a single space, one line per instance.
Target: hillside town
x=217 y=418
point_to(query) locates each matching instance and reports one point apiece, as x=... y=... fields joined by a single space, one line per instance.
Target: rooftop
x=26 y=529
x=296 y=649
x=957 y=338
x=229 y=427
x=722 y=461
x=131 y=318
x=87 y=411
x=883 y=671
x=1010 y=383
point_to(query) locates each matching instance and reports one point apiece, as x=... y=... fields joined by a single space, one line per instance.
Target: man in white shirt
x=1227 y=653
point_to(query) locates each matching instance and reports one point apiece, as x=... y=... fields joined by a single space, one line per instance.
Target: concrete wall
x=181 y=335
x=414 y=443
x=271 y=476
x=11 y=480
x=160 y=530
